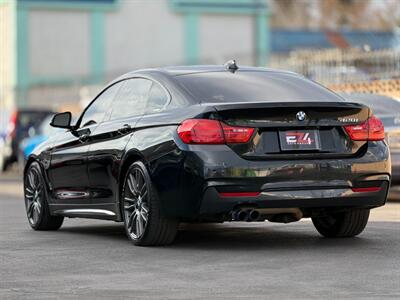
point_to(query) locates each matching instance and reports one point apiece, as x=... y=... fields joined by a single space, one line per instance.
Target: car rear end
x=283 y=160
x=336 y=157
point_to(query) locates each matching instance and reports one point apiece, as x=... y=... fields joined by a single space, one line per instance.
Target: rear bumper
x=207 y=171
x=215 y=203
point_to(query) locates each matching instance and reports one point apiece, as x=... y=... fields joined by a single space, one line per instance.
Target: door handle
x=125 y=129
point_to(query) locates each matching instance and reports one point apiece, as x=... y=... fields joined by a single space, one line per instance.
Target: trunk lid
x=279 y=124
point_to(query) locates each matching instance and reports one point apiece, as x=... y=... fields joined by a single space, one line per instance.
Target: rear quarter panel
x=155 y=140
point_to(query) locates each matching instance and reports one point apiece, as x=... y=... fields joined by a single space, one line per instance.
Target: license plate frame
x=299 y=140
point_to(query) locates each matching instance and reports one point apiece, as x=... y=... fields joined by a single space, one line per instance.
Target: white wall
x=224 y=37
x=143 y=34
x=138 y=34
x=59 y=43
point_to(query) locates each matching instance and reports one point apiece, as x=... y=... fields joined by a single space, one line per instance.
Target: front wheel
x=343 y=224
x=145 y=225
x=36 y=204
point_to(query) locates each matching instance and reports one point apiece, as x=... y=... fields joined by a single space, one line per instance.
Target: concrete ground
x=92 y=259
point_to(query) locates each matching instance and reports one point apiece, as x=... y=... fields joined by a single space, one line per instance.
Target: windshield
x=253 y=86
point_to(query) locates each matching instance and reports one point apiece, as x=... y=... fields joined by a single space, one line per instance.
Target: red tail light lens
x=370 y=130
x=202 y=131
x=239 y=194
x=235 y=135
x=199 y=131
x=358 y=132
x=376 y=130
x=366 y=189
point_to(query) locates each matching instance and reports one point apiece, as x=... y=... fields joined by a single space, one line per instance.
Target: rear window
x=253 y=86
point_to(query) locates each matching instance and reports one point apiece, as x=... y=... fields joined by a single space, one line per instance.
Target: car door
x=68 y=164
x=109 y=140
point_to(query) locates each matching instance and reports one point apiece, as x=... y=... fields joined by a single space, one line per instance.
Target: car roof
x=184 y=70
x=166 y=75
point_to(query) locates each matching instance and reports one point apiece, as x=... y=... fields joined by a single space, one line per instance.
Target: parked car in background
x=388 y=110
x=20 y=121
x=35 y=138
x=2 y=149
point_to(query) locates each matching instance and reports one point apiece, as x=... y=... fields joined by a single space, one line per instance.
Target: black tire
x=344 y=224
x=140 y=204
x=36 y=201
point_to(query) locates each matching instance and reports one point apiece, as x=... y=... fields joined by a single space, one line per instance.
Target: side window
x=131 y=98
x=96 y=112
x=158 y=98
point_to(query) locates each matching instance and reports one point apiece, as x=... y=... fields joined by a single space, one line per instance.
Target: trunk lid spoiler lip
x=310 y=104
x=224 y=109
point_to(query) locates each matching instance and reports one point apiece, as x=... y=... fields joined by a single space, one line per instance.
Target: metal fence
x=338 y=66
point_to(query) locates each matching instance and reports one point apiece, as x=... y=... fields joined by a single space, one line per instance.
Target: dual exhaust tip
x=248 y=215
x=278 y=215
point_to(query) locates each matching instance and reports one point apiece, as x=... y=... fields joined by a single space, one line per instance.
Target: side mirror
x=62 y=120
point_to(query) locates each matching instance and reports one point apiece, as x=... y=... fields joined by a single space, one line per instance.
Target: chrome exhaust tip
x=242 y=215
x=253 y=215
x=239 y=215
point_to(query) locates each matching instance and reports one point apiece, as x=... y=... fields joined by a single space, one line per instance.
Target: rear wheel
x=144 y=222
x=36 y=204
x=344 y=224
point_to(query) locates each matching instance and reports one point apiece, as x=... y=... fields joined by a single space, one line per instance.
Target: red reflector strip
x=240 y=194
x=366 y=189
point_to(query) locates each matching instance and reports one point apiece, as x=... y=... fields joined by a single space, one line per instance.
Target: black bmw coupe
x=211 y=144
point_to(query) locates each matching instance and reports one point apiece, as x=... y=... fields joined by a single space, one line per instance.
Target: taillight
x=376 y=130
x=235 y=134
x=203 y=131
x=370 y=130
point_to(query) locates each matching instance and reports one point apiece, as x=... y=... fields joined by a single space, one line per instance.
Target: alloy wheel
x=34 y=193
x=136 y=204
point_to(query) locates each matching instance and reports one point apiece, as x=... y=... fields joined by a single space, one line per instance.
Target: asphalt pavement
x=90 y=259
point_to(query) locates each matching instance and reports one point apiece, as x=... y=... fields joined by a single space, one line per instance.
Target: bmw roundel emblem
x=301 y=115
